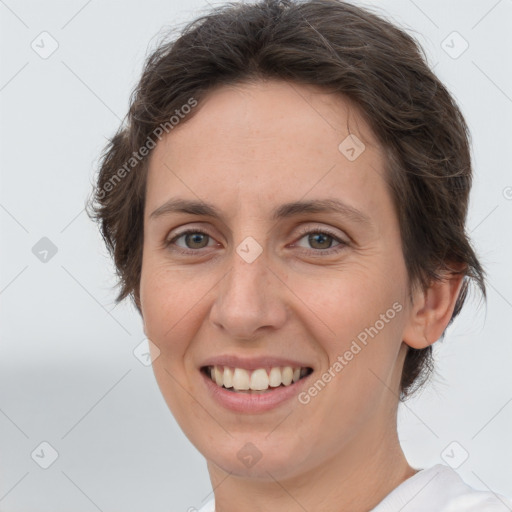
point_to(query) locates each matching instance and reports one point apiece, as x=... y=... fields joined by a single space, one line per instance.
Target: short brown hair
x=340 y=48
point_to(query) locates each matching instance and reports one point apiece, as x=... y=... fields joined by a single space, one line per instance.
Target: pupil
x=321 y=235
x=196 y=238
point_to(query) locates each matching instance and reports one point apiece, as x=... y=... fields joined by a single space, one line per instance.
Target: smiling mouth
x=261 y=380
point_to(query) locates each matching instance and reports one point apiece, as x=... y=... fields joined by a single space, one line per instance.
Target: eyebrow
x=286 y=210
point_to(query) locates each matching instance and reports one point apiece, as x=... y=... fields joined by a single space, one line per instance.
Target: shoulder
x=437 y=488
x=440 y=488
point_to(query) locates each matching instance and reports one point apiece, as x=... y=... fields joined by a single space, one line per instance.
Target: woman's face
x=259 y=286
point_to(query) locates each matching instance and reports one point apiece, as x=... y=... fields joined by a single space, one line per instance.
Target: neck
x=354 y=479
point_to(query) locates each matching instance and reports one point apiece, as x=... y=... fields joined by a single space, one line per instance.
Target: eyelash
x=320 y=252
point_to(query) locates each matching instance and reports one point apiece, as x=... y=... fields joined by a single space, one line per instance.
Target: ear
x=431 y=311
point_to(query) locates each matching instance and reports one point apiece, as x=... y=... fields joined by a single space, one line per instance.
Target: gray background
x=68 y=373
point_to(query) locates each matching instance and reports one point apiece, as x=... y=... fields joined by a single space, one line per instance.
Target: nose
x=250 y=299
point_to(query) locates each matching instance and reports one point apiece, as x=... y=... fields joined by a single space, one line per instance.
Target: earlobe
x=431 y=311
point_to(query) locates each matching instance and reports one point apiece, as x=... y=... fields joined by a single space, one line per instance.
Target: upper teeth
x=257 y=380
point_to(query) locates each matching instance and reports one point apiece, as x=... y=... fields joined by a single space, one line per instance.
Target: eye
x=194 y=239
x=321 y=241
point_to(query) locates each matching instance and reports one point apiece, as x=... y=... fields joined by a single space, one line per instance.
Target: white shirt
x=436 y=489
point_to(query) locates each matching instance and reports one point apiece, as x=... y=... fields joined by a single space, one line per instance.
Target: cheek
x=165 y=300
x=171 y=306
x=341 y=304
x=173 y=303
x=357 y=319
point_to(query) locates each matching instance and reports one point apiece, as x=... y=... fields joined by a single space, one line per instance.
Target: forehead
x=263 y=111
x=267 y=141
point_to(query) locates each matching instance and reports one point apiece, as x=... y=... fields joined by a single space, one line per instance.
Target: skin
x=247 y=149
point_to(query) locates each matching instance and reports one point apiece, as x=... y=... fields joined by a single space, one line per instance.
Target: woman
x=286 y=208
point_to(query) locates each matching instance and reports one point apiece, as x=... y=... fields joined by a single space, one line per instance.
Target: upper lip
x=252 y=363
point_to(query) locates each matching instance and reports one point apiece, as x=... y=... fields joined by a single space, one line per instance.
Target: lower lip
x=252 y=402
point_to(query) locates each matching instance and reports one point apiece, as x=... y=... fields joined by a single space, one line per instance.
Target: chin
x=258 y=456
